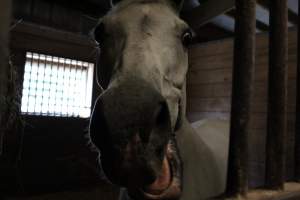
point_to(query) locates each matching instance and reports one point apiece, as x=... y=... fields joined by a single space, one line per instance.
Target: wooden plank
x=222 y=104
x=5 y=12
x=297 y=125
x=22 y=9
x=196 y=116
x=276 y=127
x=242 y=83
x=210 y=32
x=40 y=39
x=206 y=11
x=41 y=12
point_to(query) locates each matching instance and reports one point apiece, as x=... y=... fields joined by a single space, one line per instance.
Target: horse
x=146 y=145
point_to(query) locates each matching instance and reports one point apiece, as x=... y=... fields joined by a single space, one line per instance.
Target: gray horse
x=138 y=124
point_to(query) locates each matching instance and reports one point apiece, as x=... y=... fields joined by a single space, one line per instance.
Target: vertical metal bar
x=243 y=74
x=277 y=95
x=297 y=130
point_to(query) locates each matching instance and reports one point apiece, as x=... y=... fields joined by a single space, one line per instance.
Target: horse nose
x=131 y=126
x=132 y=107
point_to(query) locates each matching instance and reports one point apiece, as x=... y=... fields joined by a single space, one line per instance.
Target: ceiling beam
x=206 y=11
x=292 y=16
x=259 y=25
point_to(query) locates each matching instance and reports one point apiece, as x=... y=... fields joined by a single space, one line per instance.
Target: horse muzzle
x=131 y=128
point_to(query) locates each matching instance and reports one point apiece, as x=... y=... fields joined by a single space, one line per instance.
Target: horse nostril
x=162 y=115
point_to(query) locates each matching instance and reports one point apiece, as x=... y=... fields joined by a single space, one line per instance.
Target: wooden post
x=277 y=95
x=5 y=12
x=243 y=74
x=297 y=130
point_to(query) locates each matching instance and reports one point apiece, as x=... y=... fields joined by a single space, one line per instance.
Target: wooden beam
x=206 y=11
x=260 y=25
x=5 y=12
x=243 y=75
x=297 y=130
x=36 y=38
x=293 y=17
x=277 y=95
x=264 y=4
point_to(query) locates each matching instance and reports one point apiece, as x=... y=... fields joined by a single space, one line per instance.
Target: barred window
x=56 y=86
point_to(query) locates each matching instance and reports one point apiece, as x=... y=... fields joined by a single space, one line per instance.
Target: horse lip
x=173 y=191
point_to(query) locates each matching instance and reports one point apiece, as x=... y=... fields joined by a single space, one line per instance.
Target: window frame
x=28 y=37
x=65 y=107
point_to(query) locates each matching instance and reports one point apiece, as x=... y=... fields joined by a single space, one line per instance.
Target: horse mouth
x=167 y=185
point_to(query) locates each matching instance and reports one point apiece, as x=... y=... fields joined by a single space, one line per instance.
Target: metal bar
x=277 y=95
x=297 y=130
x=243 y=75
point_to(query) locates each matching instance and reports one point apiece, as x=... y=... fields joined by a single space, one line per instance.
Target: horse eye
x=99 y=33
x=187 y=37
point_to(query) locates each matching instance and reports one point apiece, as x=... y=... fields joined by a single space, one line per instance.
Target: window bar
x=64 y=107
x=86 y=87
x=68 y=88
x=46 y=79
x=297 y=124
x=83 y=92
x=71 y=98
x=50 y=78
x=48 y=66
x=89 y=87
x=61 y=83
x=53 y=82
x=32 y=89
x=243 y=74
x=56 y=112
x=75 y=89
x=36 y=83
x=79 y=102
x=43 y=83
x=29 y=55
x=277 y=95
x=72 y=85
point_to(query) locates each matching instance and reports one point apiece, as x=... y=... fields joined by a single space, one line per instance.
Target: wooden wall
x=209 y=94
x=5 y=11
x=77 y=16
x=53 y=154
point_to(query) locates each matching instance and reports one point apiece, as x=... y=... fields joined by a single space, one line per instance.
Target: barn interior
x=46 y=155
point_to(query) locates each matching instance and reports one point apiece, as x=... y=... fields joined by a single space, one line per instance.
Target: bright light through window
x=56 y=86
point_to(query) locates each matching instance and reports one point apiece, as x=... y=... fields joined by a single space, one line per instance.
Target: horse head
x=142 y=67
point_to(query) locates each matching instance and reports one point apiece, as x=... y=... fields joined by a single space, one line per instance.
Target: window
x=56 y=86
